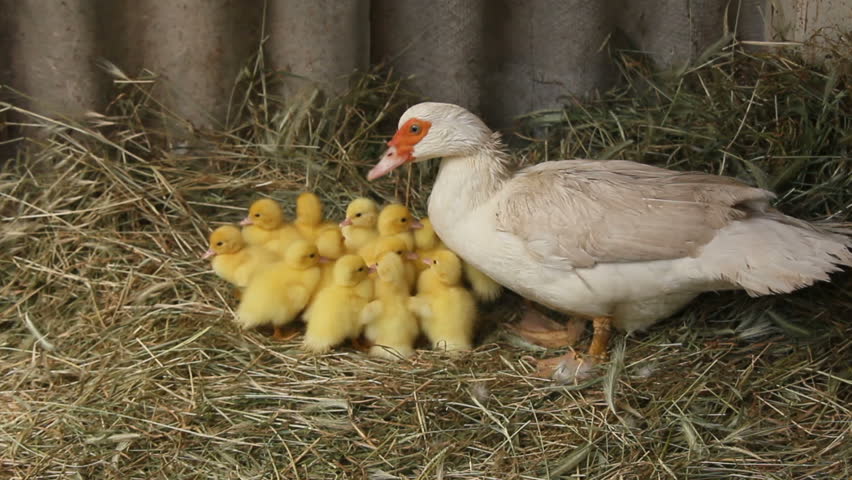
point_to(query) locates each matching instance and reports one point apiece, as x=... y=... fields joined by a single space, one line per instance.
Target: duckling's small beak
x=208 y=254
x=246 y=222
x=411 y=256
x=373 y=268
x=345 y=223
x=415 y=224
x=428 y=261
x=324 y=259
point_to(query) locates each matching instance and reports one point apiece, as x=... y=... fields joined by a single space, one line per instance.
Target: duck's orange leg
x=600 y=339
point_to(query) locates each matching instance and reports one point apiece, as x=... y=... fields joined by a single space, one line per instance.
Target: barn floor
x=119 y=358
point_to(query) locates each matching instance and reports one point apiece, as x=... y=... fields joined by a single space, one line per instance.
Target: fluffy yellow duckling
x=484 y=288
x=278 y=293
x=233 y=260
x=397 y=245
x=309 y=216
x=359 y=226
x=265 y=226
x=395 y=220
x=388 y=322
x=334 y=316
x=426 y=242
x=446 y=310
x=330 y=247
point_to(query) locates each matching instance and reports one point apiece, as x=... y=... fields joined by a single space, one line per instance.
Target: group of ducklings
x=381 y=274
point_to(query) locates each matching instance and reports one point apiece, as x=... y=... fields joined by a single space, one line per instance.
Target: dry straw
x=119 y=358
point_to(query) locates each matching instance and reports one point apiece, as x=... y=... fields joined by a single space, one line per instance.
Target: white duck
x=624 y=243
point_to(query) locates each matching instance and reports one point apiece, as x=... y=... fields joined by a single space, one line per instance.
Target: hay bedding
x=119 y=359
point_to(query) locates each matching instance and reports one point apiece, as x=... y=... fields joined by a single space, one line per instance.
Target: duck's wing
x=576 y=213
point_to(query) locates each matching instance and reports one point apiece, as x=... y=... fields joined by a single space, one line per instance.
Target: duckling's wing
x=298 y=296
x=420 y=307
x=370 y=313
x=581 y=212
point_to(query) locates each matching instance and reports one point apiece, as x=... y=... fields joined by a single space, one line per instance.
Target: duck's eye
x=313 y=255
x=219 y=244
x=399 y=252
x=361 y=269
x=358 y=214
x=415 y=129
x=404 y=220
x=257 y=215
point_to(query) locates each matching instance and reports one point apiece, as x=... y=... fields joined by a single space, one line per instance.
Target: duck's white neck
x=465 y=183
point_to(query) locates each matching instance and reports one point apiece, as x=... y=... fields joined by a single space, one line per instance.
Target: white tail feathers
x=774 y=253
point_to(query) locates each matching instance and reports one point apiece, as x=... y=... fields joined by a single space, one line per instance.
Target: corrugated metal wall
x=498 y=57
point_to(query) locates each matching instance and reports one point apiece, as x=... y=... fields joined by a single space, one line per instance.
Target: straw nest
x=120 y=360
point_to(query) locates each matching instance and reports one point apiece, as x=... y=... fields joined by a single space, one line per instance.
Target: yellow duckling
x=426 y=242
x=334 y=316
x=395 y=220
x=396 y=245
x=233 y=260
x=446 y=310
x=330 y=247
x=309 y=216
x=484 y=288
x=388 y=322
x=265 y=225
x=278 y=293
x=359 y=226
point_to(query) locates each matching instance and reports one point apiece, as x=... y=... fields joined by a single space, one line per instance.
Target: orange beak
x=208 y=254
x=345 y=223
x=246 y=222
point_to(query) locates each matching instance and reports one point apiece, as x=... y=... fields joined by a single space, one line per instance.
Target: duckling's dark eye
x=257 y=215
x=312 y=255
x=361 y=269
x=399 y=252
x=219 y=244
x=415 y=129
x=358 y=214
x=404 y=220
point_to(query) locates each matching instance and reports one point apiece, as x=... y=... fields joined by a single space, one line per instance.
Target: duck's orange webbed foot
x=573 y=367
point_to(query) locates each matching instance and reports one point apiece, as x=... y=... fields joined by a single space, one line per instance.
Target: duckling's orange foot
x=284 y=334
